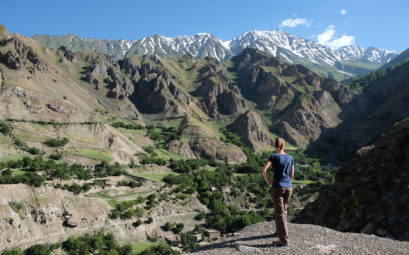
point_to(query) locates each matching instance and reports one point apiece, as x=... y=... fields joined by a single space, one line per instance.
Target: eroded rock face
x=71 y=56
x=370 y=193
x=25 y=104
x=18 y=54
x=305 y=104
x=250 y=129
x=220 y=96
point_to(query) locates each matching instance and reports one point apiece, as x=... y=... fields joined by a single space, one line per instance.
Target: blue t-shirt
x=281 y=164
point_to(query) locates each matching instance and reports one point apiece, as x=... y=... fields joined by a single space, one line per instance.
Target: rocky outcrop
x=304 y=239
x=250 y=129
x=71 y=56
x=25 y=104
x=157 y=92
x=219 y=95
x=15 y=54
x=369 y=194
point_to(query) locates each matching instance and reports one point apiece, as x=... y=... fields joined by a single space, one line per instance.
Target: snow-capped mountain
x=199 y=45
x=371 y=54
x=288 y=47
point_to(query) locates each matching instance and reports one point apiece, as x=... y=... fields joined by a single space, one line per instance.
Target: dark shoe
x=279 y=244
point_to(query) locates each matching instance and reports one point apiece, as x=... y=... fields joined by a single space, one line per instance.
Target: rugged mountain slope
x=344 y=62
x=40 y=84
x=293 y=101
x=382 y=102
x=301 y=103
x=400 y=59
x=370 y=193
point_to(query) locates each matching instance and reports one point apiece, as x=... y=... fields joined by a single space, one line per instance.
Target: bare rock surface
x=305 y=239
x=370 y=193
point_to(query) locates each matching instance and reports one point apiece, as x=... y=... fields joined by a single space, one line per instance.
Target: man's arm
x=264 y=171
x=292 y=172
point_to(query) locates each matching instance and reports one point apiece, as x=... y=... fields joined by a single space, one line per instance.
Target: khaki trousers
x=281 y=196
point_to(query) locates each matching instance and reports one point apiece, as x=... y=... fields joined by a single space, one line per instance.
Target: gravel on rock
x=304 y=239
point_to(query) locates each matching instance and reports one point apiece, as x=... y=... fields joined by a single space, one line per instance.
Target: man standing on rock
x=283 y=173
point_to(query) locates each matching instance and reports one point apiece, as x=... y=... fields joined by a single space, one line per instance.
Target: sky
x=381 y=24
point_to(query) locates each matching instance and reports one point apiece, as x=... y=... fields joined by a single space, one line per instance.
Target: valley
x=149 y=153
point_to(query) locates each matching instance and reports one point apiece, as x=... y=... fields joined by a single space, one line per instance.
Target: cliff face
x=370 y=193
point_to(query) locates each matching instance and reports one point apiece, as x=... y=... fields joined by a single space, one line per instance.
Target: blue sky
x=382 y=24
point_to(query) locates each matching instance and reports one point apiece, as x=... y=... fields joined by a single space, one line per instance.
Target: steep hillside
x=370 y=193
x=400 y=59
x=381 y=100
x=299 y=103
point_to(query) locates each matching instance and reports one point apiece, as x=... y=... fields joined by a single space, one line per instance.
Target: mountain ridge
x=290 y=48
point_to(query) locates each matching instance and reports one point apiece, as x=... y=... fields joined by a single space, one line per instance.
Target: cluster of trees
x=128 y=125
x=146 y=160
x=188 y=165
x=223 y=217
x=50 y=170
x=127 y=210
x=159 y=249
x=231 y=137
x=23 y=146
x=74 y=187
x=99 y=243
x=162 y=135
x=104 y=169
x=174 y=227
x=55 y=142
x=130 y=183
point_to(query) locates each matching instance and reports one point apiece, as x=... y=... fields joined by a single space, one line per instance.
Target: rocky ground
x=305 y=239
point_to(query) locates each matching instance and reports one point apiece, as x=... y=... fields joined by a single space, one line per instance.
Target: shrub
x=168 y=226
x=179 y=227
x=137 y=223
x=14 y=251
x=55 y=156
x=130 y=213
x=35 y=151
x=5 y=128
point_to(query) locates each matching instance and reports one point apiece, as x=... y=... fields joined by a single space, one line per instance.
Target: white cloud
x=295 y=22
x=328 y=38
x=325 y=37
x=342 y=41
x=343 y=11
